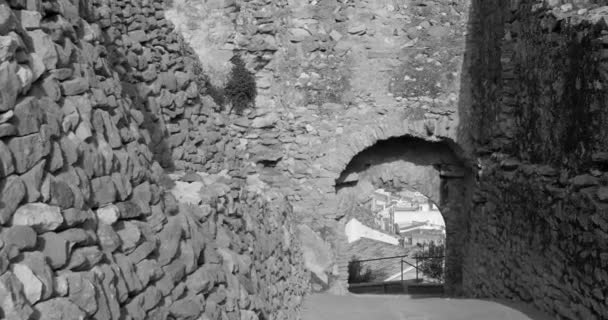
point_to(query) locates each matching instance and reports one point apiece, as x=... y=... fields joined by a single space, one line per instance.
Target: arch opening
x=408 y=166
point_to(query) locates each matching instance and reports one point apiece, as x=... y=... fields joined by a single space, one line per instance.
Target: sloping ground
x=370 y=249
x=326 y=307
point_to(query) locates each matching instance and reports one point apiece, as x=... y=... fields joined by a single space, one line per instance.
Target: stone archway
x=431 y=168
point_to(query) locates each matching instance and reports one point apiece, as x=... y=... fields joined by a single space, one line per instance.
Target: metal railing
x=417 y=265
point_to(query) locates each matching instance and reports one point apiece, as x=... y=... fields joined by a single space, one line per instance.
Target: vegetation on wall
x=238 y=94
x=241 y=90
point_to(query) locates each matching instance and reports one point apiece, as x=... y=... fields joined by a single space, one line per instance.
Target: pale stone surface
x=39 y=216
x=108 y=214
x=32 y=286
x=60 y=309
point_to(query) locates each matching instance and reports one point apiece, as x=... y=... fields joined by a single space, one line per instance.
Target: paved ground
x=393 y=307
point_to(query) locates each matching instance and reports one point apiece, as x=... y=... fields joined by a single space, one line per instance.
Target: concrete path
x=401 y=307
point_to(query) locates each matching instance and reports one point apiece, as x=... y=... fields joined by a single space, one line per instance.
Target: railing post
x=416 y=269
x=401 y=271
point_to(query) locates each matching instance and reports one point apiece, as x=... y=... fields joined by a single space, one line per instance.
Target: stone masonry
x=95 y=97
x=516 y=88
x=126 y=192
x=538 y=228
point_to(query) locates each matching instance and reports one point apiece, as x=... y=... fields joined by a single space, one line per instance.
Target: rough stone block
x=13 y=302
x=28 y=150
x=10 y=84
x=60 y=309
x=102 y=191
x=55 y=248
x=44 y=47
x=39 y=216
x=12 y=192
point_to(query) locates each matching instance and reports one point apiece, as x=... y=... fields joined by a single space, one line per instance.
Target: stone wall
x=333 y=78
x=96 y=95
x=538 y=125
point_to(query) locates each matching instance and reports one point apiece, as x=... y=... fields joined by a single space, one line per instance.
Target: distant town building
x=423 y=237
x=408 y=212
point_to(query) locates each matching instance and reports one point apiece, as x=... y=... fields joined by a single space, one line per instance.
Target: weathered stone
x=6 y=161
x=44 y=47
x=358 y=29
x=298 y=34
x=584 y=180
x=74 y=87
x=6 y=116
x=188 y=308
x=7 y=130
x=33 y=181
x=28 y=150
x=77 y=237
x=55 y=248
x=203 y=279
x=46 y=87
x=170 y=238
x=187 y=192
x=174 y=272
x=600 y=157
x=84 y=258
x=8 y=45
x=142 y=197
x=135 y=308
x=112 y=134
x=108 y=238
x=82 y=291
x=28 y=116
x=61 y=286
x=32 y=287
x=128 y=271
x=69 y=148
x=21 y=237
x=248 y=315
x=10 y=84
x=60 y=309
x=108 y=214
x=61 y=194
x=76 y=217
x=129 y=235
x=123 y=186
x=14 y=304
x=108 y=279
x=56 y=159
x=151 y=297
x=267 y=121
x=12 y=192
x=138 y=36
x=602 y=194
x=102 y=191
x=39 y=216
x=148 y=270
x=37 y=263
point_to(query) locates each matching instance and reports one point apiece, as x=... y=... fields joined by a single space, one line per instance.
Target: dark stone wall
x=538 y=129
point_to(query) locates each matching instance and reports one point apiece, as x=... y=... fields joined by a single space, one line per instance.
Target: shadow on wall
x=481 y=74
x=533 y=110
x=143 y=100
